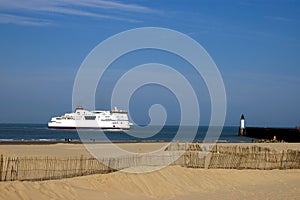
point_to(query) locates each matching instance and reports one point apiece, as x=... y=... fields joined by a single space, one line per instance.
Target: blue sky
x=255 y=45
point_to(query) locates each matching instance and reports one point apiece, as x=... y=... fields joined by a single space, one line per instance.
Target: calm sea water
x=40 y=132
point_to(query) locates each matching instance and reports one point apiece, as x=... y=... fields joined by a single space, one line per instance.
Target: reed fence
x=193 y=155
x=239 y=157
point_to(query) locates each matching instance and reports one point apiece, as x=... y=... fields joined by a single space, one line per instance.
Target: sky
x=255 y=45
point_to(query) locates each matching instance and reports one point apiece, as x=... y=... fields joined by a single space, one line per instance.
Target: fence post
x=1 y=167
x=81 y=165
x=282 y=163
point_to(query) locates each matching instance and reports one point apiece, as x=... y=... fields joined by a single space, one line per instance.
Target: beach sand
x=172 y=182
x=71 y=149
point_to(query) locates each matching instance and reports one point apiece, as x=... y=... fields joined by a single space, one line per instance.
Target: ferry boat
x=97 y=119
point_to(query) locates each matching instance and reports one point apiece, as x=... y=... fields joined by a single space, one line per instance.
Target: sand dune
x=172 y=182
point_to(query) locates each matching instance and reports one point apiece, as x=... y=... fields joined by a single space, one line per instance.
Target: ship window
x=90 y=117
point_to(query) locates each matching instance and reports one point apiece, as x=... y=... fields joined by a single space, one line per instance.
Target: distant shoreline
x=118 y=142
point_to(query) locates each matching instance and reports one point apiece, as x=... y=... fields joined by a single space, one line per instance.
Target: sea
x=41 y=133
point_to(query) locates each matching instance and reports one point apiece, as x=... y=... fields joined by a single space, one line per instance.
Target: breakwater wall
x=268 y=133
x=279 y=134
x=193 y=155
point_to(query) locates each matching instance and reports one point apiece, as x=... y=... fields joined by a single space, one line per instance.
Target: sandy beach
x=70 y=149
x=172 y=182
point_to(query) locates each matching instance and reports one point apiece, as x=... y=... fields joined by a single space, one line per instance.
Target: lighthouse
x=242 y=126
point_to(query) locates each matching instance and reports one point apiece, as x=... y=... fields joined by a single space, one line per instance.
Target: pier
x=269 y=133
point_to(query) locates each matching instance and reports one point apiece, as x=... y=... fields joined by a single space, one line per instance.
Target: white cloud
x=86 y=8
x=278 y=18
x=113 y=5
x=48 y=4
x=20 y=20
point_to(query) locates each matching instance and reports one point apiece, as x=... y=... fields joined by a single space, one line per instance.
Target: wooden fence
x=238 y=157
x=186 y=155
x=44 y=168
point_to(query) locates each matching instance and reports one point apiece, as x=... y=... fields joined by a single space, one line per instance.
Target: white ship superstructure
x=97 y=119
